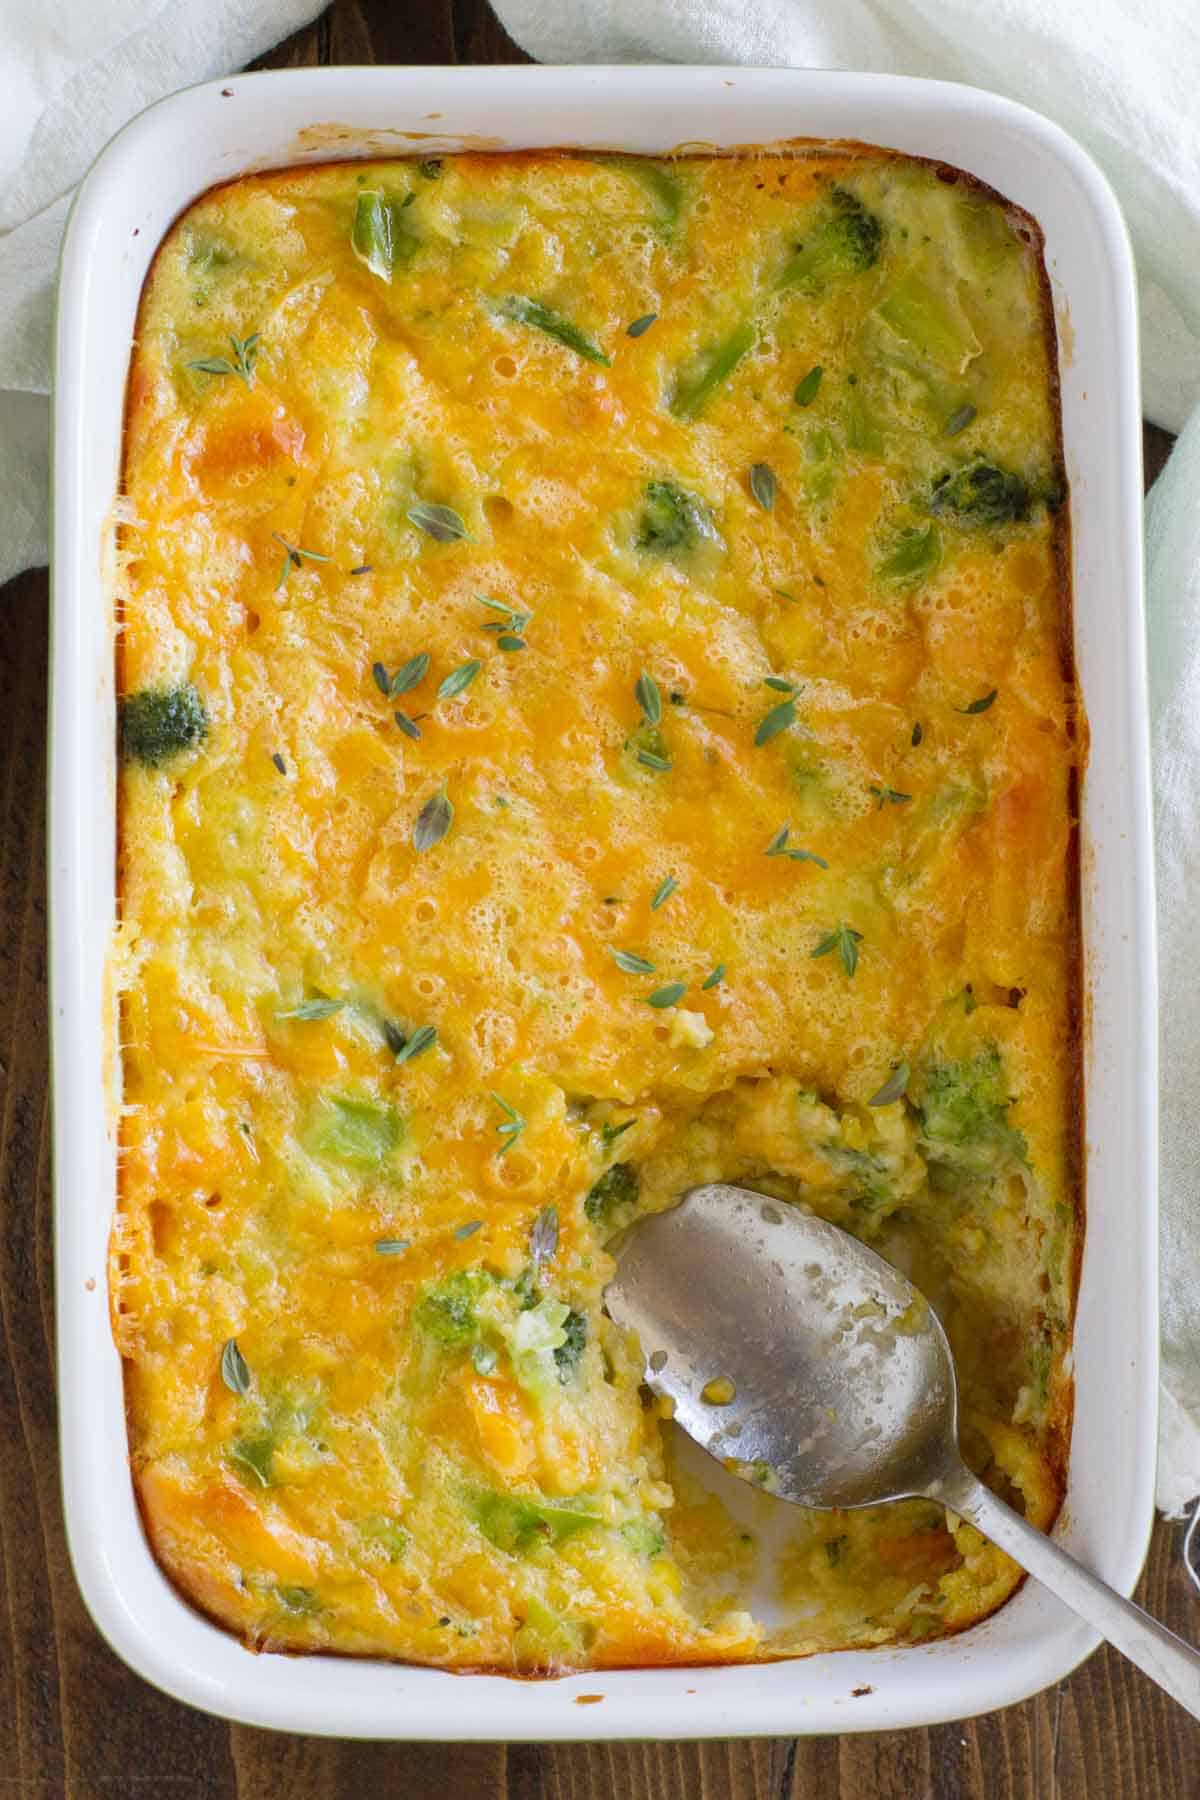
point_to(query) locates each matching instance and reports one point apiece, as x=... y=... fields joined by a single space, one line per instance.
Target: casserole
x=262 y=121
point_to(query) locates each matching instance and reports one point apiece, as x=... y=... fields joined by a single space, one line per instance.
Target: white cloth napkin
x=1121 y=77
x=1124 y=78
x=72 y=72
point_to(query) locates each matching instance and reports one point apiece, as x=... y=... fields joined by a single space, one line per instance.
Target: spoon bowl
x=794 y=1354
x=809 y=1366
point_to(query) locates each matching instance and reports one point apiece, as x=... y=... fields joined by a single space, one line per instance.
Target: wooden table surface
x=75 y=1722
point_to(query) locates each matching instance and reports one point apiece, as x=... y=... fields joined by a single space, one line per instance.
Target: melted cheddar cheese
x=597 y=718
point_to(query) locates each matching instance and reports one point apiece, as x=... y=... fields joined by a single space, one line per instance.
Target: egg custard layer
x=596 y=718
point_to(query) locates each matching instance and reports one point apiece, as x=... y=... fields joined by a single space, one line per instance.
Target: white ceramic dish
x=148 y=174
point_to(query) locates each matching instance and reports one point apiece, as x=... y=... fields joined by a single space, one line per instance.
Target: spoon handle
x=1165 y=1658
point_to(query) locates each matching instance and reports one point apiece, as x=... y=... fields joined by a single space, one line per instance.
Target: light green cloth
x=1124 y=79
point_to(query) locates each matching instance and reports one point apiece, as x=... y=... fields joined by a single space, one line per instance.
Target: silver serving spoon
x=788 y=1346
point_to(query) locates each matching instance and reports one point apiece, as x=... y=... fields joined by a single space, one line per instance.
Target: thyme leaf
x=312 y=1009
x=893 y=1087
x=422 y=1039
x=235 y=1372
x=632 y=963
x=409 y=675
x=845 y=940
x=649 y=698
x=806 y=390
x=433 y=821
x=458 y=679
x=778 y=719
x=543 y=1239
x=510 y=1127
x=441 y=523
x=762 y=485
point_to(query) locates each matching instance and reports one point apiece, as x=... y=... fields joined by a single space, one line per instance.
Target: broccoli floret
x=518 y=1523
x=964 y=1112
x=710 y=369
x=644 y=1536
x=869 y=1176
x=158 y=723
x=845 y=240
x=981 y=494
x=569 y=1353
x=614 y=1194
x=354 y=1129
x=446 y=1310
x=673 y=520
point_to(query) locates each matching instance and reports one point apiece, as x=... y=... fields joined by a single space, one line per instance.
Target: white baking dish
x=150 y=172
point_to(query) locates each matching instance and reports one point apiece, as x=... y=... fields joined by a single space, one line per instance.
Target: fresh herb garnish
x=713 y=980
x=524 y=311
x=433 y=821
x=641 y=325
x=234 y=1370
x=632 y=963
x=507 y=642
x=468 y=1230
x=408 y=726
x=886 y=795
x=610 y=1133
x=392 y=1246
x=430 y=169
x=294 y=555
x=845 y=940
x=510 y=1127
x=408 y=675
x=279 y=762
x=649 y=698
x=651 y=759
x=381 y=679
x=361 y=569
x=806 y=390
x=779 y=846
x=441 y=523
x=981 y=705
x=663 y=892
x=778 y=719
x=458 y=679
x=667 y=996
x=312 y=1009
x=543 y=1239
x=893 y=1087
x=513 y=621
x=959 y=419
x=779 y=684
x=762 y=485
x=918 y=732
x=423 y=1038
x=245 y=355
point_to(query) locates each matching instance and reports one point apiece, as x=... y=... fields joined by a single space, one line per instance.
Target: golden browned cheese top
x=596 y=719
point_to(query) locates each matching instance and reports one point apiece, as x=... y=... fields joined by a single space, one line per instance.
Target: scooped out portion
x=596 y=718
